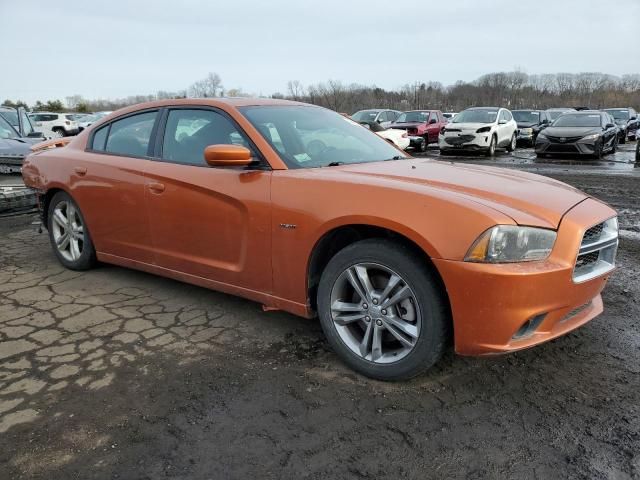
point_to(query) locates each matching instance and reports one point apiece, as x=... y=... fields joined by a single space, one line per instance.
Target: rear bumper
x=493 y=304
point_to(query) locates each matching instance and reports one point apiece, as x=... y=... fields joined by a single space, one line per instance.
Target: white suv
x=479 y=128
x=54 y=125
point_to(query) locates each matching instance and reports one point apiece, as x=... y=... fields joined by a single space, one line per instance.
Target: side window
x=99 y=139
x=503 y=116
x=433 y=116
x=507 y=115
x=189 y=132
x=131 y=135
x=26 y=124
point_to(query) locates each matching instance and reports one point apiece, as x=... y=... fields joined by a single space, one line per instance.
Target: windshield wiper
x=397 y=157
x=334 y=164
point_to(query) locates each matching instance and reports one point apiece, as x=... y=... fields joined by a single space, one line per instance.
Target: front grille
x=459 y=140
x=587 y=259
x=562 y=148
x=597 y=252
x=563 y=139
x=593 y=234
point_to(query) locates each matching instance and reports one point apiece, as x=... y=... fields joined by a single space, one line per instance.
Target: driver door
x=209 y=222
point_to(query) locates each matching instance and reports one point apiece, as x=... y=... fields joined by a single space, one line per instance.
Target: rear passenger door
x=108 y=184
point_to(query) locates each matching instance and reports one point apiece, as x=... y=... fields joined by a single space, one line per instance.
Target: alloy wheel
x=375 y=313
x=68 y=231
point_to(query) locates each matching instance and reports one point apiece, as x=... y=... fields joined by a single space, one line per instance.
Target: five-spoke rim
x=68 y=231
x=375 y=313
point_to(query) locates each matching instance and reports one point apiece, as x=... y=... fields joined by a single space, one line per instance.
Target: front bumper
x=527 y=137
x=580 y=147
x=477 y=141
x=492 y=303
x=415 y=141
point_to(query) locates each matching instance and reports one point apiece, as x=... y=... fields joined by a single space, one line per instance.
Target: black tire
x=512 y=144
x=59 y=131
x=443 y=152
x=423 y=146
x=433 y=334
x=492 y=147
x=614 y=147
x=623 y=139
x=87 y=258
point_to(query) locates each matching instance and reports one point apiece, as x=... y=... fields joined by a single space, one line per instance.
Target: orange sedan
x=303 y=210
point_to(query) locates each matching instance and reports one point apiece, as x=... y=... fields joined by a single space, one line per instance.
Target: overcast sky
x=116 y=48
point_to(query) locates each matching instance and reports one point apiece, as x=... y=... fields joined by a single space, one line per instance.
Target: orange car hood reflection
x=527 y=198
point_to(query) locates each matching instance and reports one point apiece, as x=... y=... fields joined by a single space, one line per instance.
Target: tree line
x=509 y=89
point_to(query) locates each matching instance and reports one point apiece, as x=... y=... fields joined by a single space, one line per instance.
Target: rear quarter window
x=99 y=139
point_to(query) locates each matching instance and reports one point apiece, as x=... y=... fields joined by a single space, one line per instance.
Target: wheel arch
x=45 y=199
x=339 y=237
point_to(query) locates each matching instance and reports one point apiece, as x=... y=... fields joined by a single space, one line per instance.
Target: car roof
x=484 y=108
x=587 y=112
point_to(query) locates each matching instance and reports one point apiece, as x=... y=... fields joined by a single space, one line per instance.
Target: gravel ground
x=114 y=373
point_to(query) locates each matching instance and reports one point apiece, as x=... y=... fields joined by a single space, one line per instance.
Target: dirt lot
x=118 y=374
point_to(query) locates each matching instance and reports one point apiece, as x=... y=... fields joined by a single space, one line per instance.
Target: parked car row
x=579 y=131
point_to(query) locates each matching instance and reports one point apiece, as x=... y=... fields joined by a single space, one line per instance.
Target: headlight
x=510 y=243
x=528 y=131
x=483 y=129
x=593 y=136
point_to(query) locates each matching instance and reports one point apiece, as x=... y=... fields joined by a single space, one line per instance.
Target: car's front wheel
x=492 y=147
x=68 y=233
x=382 y=310
x=512 y=145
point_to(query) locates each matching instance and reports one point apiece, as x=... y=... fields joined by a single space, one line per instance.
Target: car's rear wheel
x=58 y=133
x=512 y=145
x=68 y=233
x=382 y=311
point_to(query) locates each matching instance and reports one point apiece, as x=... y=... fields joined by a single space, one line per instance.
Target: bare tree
x=295 y=89
x=209 y=86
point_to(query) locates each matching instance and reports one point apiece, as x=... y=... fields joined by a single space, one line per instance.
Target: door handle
x=156 y=187
x=82 y=171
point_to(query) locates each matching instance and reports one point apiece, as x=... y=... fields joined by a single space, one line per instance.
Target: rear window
x=131 y=135
x=99 y=139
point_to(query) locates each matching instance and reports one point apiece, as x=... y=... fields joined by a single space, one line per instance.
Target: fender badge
x=288 y=225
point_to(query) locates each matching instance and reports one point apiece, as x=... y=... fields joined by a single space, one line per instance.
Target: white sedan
x=398 y=137
x=479 y=129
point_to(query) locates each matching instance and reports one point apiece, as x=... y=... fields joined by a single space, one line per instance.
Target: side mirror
x=502 y=122
x=379 y=120
x=633 y=118
x=35 y=135
x=227 y=156
x=433 y=120
x=610 y=125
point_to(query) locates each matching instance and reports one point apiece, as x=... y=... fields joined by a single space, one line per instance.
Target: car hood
x=527 y=198
x=14 y=148
x=571 y=131
x=527 y=124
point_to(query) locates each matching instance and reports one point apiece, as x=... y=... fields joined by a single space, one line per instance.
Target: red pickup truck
x=422 y=126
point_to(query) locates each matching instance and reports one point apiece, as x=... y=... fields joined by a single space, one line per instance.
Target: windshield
x=577 y=120
x=420 y=117
x=365 y=115
x=619 y=114
x=526 y=116
x=308 y=137
x=556 y=113
x=6 y=130
x=480 y=115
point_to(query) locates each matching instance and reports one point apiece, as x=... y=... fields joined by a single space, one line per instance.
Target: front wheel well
x=337 y=239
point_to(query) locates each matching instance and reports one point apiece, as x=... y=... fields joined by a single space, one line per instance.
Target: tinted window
x=99 y=138
x=130 y=136
x=26 y=124
x=483 y=115
x=578 y=120
x=189 y=132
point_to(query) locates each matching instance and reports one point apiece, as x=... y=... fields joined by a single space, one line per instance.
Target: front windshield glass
x=479 y=115
x=619 y=114
x=526 y=116
x=308 y=137
x=365 y=115
x=6 y=130
x=420 y=117
x=577 y=120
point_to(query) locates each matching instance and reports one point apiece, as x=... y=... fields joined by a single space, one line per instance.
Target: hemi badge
x=287 y=225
